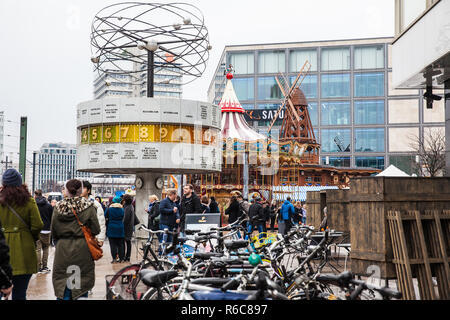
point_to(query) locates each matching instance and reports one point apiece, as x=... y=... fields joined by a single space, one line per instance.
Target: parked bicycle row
x=227 y=263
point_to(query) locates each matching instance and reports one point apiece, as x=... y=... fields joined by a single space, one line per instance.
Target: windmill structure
x=296 y=134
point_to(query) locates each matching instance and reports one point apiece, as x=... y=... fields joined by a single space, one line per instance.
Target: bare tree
x=431 y=153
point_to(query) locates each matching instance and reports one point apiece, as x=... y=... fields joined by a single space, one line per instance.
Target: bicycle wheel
x=127 y=284
x=168 y=292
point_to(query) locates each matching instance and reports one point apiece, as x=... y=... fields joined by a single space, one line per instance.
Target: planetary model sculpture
x=126 y=35
x=149 y=136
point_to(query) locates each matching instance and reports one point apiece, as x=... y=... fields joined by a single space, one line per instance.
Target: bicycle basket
x=121 y=290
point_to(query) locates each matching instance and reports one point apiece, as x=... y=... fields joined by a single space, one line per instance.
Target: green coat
x=21 y=241
x=72 y=253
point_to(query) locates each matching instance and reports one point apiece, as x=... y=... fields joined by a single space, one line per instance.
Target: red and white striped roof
x=234 y=125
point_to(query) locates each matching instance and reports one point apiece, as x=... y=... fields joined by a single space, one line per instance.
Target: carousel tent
x=234 y=125
x=392 y=171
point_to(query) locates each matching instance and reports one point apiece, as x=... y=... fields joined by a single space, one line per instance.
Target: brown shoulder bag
x=94 y=248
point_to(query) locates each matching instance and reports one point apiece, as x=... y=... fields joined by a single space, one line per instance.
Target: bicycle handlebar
x=142 y=227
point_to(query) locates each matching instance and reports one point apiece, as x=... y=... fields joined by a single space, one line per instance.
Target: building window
x=369 y=57
x=369 y=84
x=404 y=163
x=271 y=62
x=297 y=59
x=370 y=162
x=336 y=140
x=335 y=85
x=336 y=161
x=248 y=106
x=335 y=113
x=313 y=113
x=369 y=140
x=269 y=106
x=244 y=88
x=333 y=59
x=268 y=89
x=369 y=112
x=243 y=63
x=308 y=86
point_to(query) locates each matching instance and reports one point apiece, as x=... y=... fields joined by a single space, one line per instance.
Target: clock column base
x=149 y=188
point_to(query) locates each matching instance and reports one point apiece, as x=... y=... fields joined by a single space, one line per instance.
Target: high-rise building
x=359 y=119
x=167 y=82
x=56 y=162
x=421 y=56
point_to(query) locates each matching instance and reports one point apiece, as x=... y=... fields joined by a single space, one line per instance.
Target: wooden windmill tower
x=296 y=127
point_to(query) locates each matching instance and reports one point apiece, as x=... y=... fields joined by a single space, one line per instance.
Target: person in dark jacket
x=256 y=216
x=273 y=215
x=213 y=205
x=129 y=221
x=266 y=209
x=205 y=204
x=43 y=243
x=5 y=268
x=190 y=203
x=234 y=210
x=153 y=213
x=297 y=217
x=169 y=214
x=115 y=230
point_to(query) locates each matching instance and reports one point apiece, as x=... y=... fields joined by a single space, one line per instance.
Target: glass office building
x=359 y=119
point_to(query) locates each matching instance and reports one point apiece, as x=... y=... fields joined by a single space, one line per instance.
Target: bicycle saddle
x=157 y=279
x=236 y=244
x=206 y=255
x=210 y=281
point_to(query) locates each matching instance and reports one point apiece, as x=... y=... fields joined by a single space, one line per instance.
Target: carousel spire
x=234 y=125
x=230 y=102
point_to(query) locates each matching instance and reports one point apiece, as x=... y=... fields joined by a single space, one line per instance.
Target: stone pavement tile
x=41 y=287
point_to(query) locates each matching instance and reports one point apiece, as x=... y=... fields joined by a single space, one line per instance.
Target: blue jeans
x=167 y=238
x=251 y=227
x=20 y=282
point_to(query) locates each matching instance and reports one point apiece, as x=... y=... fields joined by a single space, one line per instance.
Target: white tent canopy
x=392 y=171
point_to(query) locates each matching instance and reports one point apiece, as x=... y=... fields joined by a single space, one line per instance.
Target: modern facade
x=359 y=119
x=56 y=162
x=167 y=82
x=421 y=55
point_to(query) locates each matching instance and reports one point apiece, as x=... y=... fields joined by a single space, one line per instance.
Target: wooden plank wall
x=371 y=199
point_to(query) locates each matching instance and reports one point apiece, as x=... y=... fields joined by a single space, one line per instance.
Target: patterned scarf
x=78 y=203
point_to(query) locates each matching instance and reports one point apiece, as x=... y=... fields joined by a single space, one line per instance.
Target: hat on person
x=117 y=200
x=12 y=178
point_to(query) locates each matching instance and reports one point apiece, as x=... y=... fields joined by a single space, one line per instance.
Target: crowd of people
x=30 y=226
x=264 y=215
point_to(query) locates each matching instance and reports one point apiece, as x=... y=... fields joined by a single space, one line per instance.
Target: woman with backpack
x=21 y=224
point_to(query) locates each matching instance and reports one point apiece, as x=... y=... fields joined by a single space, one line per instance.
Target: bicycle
x=129 y=276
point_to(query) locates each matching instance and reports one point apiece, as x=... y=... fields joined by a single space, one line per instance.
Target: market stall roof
x=392 y=171
x=234 y=125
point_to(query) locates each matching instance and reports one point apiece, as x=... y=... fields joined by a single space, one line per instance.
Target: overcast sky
x=45 y=52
